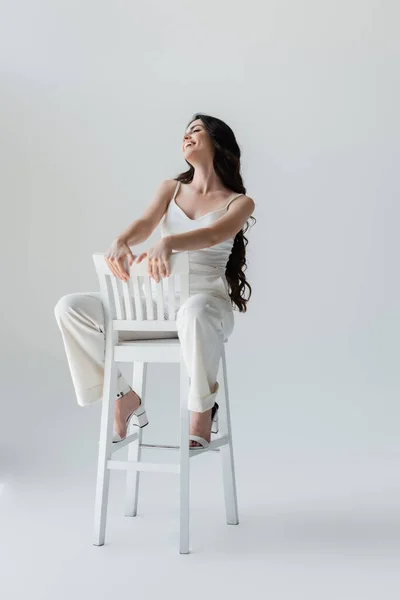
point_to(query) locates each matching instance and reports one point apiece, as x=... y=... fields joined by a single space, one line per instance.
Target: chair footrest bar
x=129 y=438
x=215 y=444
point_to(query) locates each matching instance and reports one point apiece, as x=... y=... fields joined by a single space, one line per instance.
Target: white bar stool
x=123 y=307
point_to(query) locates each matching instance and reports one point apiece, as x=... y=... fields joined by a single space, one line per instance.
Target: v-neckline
x=202 y=216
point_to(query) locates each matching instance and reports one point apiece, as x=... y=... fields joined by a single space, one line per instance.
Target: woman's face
x=196 y=141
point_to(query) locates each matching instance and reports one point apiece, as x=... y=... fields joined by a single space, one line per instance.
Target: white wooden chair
x=124 y=305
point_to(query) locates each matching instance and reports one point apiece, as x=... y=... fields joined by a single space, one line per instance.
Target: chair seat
x=157 y=350
x=154 y=342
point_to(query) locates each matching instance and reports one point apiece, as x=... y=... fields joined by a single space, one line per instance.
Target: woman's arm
x=190 y=240
x=142 y=228
x=139 y=231
x=220 y=230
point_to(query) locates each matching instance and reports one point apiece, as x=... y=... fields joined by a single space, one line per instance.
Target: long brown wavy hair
x=227 y=166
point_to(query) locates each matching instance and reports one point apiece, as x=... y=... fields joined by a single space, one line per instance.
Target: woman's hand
x=115 y=257
x=157 y=259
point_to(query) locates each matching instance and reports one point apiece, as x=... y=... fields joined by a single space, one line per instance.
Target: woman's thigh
x=90 y=306
x=208 y=306
x=86 y=304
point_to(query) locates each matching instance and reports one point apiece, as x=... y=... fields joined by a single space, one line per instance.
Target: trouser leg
x=80 y=317
x=203 y=322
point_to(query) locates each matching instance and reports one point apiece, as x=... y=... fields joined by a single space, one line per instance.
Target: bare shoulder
x=245 y=203
x=162 y=195
x=249 y=201
x=165 y=190
x=168 y=185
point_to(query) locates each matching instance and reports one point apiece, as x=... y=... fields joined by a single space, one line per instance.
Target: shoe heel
x=142 y=419
x=215 y=424
x=139 y=420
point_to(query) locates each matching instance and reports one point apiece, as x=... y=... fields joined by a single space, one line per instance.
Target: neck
x=205 y=179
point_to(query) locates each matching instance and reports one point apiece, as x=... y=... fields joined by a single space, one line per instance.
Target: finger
x=122 y=265
x=167 y=271
x=153 y=268
x=130 y=259
x=156 y=270
x=111 y=266
x=150 y=268
x=115 y=268
x=141 y=257
x=122 y=272
x=162 y=269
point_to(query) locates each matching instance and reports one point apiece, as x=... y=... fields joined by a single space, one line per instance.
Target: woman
x=205 y=210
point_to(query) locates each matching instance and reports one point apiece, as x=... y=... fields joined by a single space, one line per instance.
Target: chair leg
x=135 y=448
x=228 y=465
x=184 y=478
x=105 y=441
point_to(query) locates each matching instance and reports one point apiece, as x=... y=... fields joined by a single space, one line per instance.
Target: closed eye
x=196 y=130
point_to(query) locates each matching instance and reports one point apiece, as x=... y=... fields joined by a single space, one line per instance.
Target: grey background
x=95 y=100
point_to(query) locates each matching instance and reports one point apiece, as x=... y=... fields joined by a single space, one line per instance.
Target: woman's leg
x=80 y=317
x=204 y=321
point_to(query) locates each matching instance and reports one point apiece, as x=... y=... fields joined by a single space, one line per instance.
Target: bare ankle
x=127 y=403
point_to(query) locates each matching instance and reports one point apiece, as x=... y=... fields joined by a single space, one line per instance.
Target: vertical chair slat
x=160 y=301
x=123 y=300
x=149 y=299
x=127 y=291
x=116 y=287
x=137 y=296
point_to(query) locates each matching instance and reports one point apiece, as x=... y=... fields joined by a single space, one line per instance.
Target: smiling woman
x=209 y=207
x=208 y=221
x=208 y=136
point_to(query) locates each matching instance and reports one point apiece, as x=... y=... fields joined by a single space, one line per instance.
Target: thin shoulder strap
x=232 y=199
x=176 y=189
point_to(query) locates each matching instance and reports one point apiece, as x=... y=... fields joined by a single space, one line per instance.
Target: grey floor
x=310 y=527
x=318 y=489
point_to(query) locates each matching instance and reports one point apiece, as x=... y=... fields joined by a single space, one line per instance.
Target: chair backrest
x=130 y=305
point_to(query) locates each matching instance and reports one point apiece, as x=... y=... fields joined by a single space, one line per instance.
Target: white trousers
x=203 y=322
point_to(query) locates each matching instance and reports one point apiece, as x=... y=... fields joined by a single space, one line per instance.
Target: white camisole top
x=176 y=221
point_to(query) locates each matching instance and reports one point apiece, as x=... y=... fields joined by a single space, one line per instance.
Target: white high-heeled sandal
x=138 y=417
x=197 y=438
x=214 y=429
